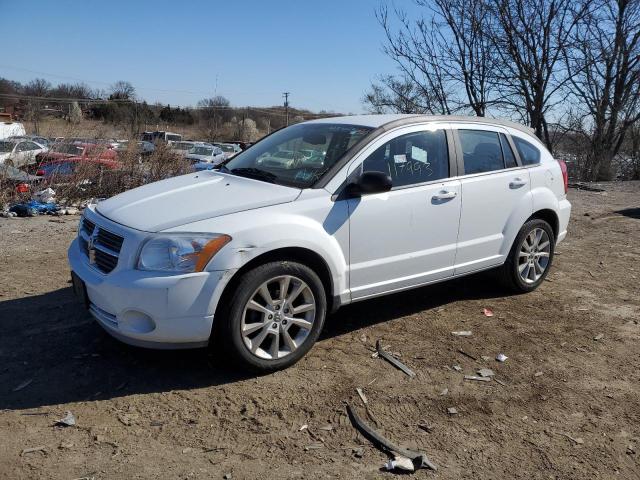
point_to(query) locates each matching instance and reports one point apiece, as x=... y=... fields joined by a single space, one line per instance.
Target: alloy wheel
x=533 y=258
x=278 y=317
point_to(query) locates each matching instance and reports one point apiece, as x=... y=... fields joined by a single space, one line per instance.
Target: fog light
x=135 y=321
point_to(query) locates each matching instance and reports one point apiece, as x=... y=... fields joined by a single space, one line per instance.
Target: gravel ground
x=567 y=404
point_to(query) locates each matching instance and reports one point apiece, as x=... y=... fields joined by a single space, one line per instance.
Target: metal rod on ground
x=419 y=459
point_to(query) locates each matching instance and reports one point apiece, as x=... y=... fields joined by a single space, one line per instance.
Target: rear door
x=495 y=196
x=407 y=236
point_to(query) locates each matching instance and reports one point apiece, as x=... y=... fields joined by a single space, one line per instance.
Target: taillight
x=565 y=175
x=22 y=188
x=40 y=173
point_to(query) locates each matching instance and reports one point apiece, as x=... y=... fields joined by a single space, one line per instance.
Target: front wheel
x=275 y=316
x=530 y=257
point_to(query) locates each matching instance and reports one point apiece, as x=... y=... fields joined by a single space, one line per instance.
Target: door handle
x=517 y=183
x=444 y=195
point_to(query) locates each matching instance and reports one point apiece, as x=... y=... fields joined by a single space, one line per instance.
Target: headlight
x=181 y=253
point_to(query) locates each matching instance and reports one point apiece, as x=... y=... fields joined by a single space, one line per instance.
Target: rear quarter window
x=529 y=155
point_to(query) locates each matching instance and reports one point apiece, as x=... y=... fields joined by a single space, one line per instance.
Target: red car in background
x=82 y=150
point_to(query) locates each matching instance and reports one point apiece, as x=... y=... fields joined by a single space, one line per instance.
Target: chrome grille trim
x=101 y=247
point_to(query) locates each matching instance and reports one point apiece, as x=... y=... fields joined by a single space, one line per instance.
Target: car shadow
x=630 y=212
x=52 y=352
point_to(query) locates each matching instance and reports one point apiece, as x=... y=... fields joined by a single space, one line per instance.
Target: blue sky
x=326 y=53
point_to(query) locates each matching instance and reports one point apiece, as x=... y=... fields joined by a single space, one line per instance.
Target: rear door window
x=481 y=151
x=412 y=158
x=529 y=155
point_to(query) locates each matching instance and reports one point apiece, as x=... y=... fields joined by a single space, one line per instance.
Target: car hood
x=190 y=198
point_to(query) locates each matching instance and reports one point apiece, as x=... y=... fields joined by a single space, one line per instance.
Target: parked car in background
x=264 y=252
x=66 y=168
x=17 y=179
x=206 y=153
x=40 y=140
x=199 y=166
x=144 y=148
x=230 y=149
x=11 y=129
x=182 y=148
x=160 y=136
x=19 y=153
x=76 y=149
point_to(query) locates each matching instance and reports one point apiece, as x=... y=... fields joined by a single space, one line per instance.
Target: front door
x=407 y=236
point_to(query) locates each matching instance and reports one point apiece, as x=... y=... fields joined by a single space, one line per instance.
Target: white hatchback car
x=258 y=253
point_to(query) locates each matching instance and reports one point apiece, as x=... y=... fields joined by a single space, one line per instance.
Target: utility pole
x=286 y=105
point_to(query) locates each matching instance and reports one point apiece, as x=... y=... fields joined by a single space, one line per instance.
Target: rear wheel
x=275 y=316
x=530 y=257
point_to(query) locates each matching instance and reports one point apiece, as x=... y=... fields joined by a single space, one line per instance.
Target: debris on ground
x=426 y=427
x=362 y=396
x=41 y=448
x=487 y=312
x=303 y=427
x=24 y=384
x=486 y=372
x=577 y=441
x=477 y=378
x=501 y=357
x=69 y=420
x=468 y=355
x=48 y=195
x=537 y=374
x=452 y=411
x=462 y=333
x=457 y=368
x=600 y=336
x=358 y=452
x=418 y=459
x=444 y=392
x=314 y=446
x=401 y=463
x=393 y=361
x=585 y=186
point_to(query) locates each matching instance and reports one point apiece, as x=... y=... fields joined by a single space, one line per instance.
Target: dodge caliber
x=256 y=253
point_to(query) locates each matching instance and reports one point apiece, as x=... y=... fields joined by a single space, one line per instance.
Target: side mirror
x=369 y=183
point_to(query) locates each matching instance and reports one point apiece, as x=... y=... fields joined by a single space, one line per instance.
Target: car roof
x=398 y=119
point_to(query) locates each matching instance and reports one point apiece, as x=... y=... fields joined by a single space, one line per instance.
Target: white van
x=11 y=129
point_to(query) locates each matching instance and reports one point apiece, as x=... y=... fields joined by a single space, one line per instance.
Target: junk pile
x=43 y=203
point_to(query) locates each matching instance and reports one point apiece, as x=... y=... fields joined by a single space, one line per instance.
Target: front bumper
x=150 y=309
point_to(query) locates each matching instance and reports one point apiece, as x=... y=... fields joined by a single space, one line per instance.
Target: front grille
x=106 y=246
x=109 y=240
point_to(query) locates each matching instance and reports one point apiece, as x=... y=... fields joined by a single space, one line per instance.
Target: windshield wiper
x=252 y=172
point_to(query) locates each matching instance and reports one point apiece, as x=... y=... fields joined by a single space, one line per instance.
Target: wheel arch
x=302 y=255
x=550 y=217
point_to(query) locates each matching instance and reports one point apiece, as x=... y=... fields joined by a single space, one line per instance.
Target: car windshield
x=297 y=156
x=201 y=151
x=6 y=146
x=67 y=148
x=227 y=148
x=174 y=138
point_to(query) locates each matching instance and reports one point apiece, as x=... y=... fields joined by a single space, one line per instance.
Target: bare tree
x=122 y=90
x=444 y=58
x=213 y=113
x=530 y=38
x=604 y=67
x=36 y=90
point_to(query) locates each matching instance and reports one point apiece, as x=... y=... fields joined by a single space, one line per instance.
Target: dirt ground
x=568 y=405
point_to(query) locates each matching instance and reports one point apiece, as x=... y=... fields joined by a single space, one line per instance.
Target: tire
x=268 y=322
x=518 y=265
